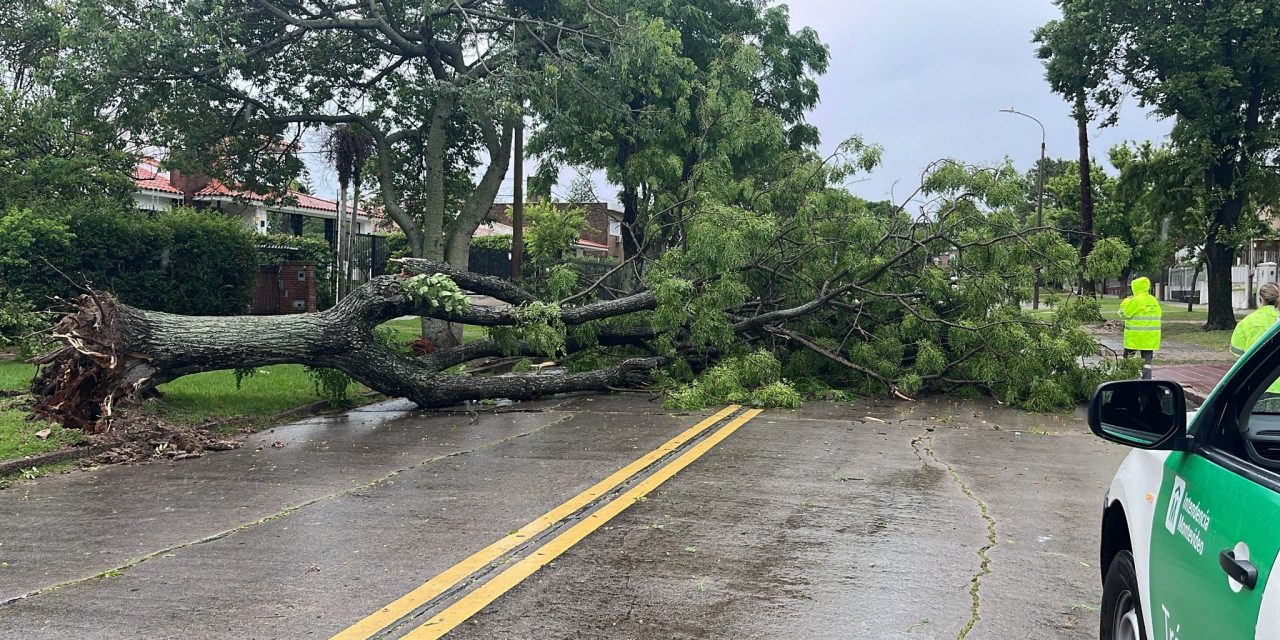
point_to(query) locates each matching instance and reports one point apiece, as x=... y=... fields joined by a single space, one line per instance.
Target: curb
x=8 y=467
x=52 y=457
x=1194 y=395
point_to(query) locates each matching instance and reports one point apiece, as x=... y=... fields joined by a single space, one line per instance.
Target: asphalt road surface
x=588 y=517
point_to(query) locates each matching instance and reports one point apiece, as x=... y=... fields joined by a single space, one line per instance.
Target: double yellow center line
x=473 y=602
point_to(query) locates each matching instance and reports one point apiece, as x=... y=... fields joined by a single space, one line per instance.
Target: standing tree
x=1075 y=56
x=1215 y=68
x=722 y=68
x=1143 y=208
x=582 y=190
x=433 y=85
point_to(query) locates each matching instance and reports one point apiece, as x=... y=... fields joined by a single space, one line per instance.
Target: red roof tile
x=149 y=177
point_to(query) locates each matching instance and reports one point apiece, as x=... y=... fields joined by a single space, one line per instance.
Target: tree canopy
x=1213 y=67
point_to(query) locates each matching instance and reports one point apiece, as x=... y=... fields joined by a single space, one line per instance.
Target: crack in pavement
x=283 y=513
x=922 y=445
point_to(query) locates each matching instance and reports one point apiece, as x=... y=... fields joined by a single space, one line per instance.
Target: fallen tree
x=111 y=351
x=752 y=306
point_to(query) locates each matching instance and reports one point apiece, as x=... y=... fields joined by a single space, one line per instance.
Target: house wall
x=151 y=201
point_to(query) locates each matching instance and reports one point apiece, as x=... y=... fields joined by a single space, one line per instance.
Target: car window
x=1256 y=436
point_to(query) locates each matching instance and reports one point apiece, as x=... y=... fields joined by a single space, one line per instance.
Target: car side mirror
x=1144 y=414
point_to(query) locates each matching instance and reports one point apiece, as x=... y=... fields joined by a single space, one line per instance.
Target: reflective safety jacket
x=1253 y=327
x=1141 y=313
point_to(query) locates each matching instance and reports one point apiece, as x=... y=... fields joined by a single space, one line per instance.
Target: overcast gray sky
x=925 y=79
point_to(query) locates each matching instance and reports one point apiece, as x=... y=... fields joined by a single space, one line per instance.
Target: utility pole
x=517 y=207
x=1035 y=300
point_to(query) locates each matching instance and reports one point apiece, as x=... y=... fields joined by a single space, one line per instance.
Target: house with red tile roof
x=160 y=190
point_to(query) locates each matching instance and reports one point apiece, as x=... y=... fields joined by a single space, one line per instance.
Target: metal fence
x=497 y=262
x=370 y=255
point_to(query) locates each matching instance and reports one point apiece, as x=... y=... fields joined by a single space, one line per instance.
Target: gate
x=266 y=291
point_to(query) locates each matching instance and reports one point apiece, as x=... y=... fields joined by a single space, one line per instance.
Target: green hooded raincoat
x=1141 y=313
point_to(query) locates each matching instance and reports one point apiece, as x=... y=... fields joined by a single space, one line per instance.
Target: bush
x=21 y=326
x=494 y=242
x=182 y=261
x=212 y=263
x=397 y=247
x=552 y=231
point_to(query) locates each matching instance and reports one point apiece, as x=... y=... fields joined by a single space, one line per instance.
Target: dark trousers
x=1146 y=358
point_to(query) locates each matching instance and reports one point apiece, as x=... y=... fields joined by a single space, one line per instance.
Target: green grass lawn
x=409 y=329
x=15 y=375
x=17 y=433
x=1173 y=311
x=1193 y=334
x=213 y=395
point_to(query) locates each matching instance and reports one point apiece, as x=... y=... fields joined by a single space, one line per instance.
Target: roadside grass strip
x=443 y=583
x=475 y=601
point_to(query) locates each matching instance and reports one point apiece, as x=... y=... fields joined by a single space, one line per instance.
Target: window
x=1255 y=435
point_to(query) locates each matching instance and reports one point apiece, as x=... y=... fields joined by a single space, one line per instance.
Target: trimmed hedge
x=182 y=261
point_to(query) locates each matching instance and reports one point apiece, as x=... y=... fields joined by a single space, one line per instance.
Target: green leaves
x=437 y=291
x=552 y=231
x=1108 y=260
x=754 y=378
x=539 y=325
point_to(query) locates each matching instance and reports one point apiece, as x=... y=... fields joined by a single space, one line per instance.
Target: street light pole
x=1035 y=300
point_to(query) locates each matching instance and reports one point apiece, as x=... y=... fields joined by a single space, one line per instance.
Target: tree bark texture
x=1219 y=259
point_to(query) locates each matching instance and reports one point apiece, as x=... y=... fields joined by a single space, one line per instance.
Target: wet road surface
x=927 y=520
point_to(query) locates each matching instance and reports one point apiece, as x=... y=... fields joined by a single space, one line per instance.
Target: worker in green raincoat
x=1141 y=313
x=1252 y=328
x=1255 y=325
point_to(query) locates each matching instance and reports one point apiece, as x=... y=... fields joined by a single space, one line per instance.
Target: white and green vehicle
x=1191 y=526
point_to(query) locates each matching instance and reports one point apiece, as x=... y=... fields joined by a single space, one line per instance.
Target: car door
x=1217 y=531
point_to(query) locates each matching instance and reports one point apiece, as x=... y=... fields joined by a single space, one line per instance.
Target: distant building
x=162 y=190
x=602 y=235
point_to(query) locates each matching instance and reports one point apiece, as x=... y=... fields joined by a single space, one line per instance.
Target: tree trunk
x=1219 y=254
x=434 y=200
x=1219 y=259
x=1195 y=278
x=1086 y=186
x=632 y=239
x=340 y=285
x=113 y=351
x=351 y=246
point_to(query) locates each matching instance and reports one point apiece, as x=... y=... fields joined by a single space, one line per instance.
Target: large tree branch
x=395 y=39
x=491 y=286
x=479 y=203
